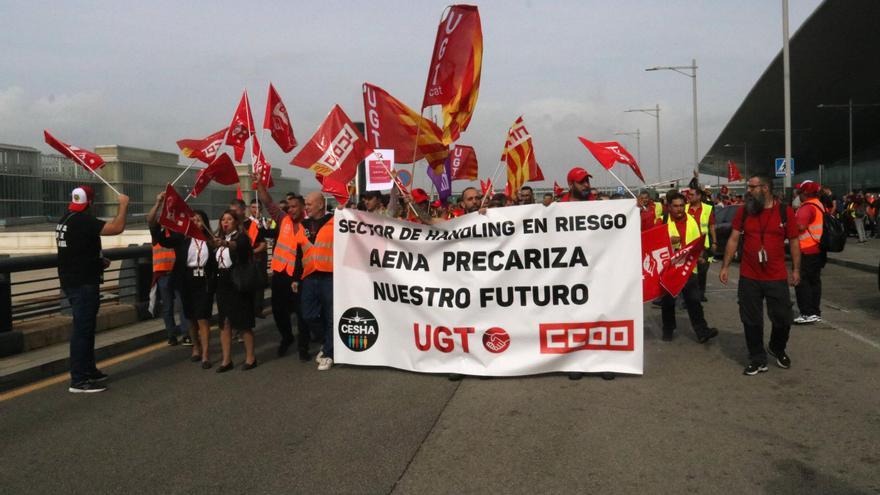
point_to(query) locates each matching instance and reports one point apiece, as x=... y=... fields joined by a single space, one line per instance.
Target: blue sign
x=780 y=167
x=620 y=189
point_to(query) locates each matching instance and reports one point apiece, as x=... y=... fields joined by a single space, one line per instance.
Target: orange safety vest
x=290 y=236
x=810 y=237
x=163 y=258
x=252 y=233
x=321 y=254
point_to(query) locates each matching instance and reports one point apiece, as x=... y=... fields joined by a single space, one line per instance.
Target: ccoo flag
x=221 y=170
x=392 y=125
x=454 y=74
x=204 y=150
x=519 y=155
x=91 y=161
x=277 y=121
x=241 y=127
x=675 y=275
x=609 y=152
x=176 y=215
x=335 y=149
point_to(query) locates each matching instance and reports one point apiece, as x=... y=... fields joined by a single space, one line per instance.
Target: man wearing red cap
x=80 y=271
x=578 y=186
x=809 y=222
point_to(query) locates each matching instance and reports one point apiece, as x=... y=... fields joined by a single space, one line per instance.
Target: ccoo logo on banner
x=518 y=291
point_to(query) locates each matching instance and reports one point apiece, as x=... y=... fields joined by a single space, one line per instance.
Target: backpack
x=833 y=237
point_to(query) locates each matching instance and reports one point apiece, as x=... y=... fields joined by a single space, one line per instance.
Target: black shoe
x=245 y=366
x=86 y=387
x=97 y=376
x=607 y=375
x=206 y=365
x=454 y=377
x=754 y=368
x=575 y=375
x=187 y=341
x=283 y=347
x=173 y=341
x=707 y=335
x=782 y=359
x=304 y=356
x=195 y=359
x=225 y=367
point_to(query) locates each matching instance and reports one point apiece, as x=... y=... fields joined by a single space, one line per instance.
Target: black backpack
x=833 y=238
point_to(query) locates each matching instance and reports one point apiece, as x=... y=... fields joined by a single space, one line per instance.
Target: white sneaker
x=325 y=364
x=319 y=356
x=802 y=320
x=815 y=319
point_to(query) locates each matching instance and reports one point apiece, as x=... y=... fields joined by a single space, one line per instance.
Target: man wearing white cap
x=80 y=271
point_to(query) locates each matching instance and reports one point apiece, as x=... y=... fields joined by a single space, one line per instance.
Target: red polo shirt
x=766 y=226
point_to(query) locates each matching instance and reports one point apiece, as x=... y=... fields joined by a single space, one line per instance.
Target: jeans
x=170 y=296
x=860 y=228
x=809 y=291
x=84 y=302
x=751 y=295
x=691 y=294
x=317 y=307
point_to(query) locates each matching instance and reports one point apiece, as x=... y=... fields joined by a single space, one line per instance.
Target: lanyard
x=198 y=253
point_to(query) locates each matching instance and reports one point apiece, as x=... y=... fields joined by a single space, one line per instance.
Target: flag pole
x=247 y=111
x=193 y=162
x=621 y=182
x=96 y=174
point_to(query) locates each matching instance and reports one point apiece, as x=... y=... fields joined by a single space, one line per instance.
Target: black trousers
x=286 y=303
x=752 y=294
x=691 y=294
x=703 y=272
x=809 y=291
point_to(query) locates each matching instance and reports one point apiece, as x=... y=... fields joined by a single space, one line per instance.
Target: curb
x=864 y=267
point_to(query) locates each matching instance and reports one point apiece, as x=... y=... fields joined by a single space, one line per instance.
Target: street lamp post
x=637 y=134
x=653 y=112
x=693 y=75
x=849 y=106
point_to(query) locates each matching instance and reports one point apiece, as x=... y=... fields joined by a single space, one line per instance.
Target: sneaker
x=325 y=364
x=754 y=368
x=806 y=319
x=86 y=387
x=187 y=341
x=173 y=341
x=817 y=319
x=319 y=357
x=782 y=359
x=97 y=376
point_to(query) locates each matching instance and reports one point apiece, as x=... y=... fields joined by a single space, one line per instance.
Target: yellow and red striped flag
x=519 y=155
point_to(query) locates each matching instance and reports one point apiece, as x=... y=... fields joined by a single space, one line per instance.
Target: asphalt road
x=691 y=424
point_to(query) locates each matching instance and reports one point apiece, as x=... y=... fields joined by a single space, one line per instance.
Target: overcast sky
x=146 y=74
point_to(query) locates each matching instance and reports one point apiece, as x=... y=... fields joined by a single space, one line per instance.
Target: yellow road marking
x=66 y=376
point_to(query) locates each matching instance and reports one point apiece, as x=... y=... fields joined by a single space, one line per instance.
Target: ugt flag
x=463 y=161
x=335 y=149
x=519 y=155
x=204 y=150
x=91 y=161
x=176 y=215
x=454 y=74
x=609 y=152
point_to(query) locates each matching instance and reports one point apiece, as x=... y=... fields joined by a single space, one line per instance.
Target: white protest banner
x=376 y=167
x=521 y=290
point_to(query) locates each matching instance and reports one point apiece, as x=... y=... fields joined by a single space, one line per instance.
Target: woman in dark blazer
x=235 y=309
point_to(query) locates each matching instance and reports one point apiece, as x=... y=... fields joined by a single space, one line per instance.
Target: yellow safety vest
x=705 y=214
x=691 y=234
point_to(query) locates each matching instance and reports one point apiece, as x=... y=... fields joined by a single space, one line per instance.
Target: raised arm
x=117 y=225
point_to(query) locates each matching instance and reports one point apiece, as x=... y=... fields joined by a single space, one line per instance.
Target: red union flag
x=91 y=161
x=335 y=150
x=241 y=127
x=610 y=152
x=519 y=155
x=681 y=266
x=278 y=121
x=176 y=215
x=487 y=188
x=463 y=161
x=338 y=190
x=390 y=124
x=204 y=150
x=262 y=168
x=454 y=74
x=221 y=170
x=656 y=251
x=557 y=190
x=733 y=172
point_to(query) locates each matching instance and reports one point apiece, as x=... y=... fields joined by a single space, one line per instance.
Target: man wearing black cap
x=80 y=271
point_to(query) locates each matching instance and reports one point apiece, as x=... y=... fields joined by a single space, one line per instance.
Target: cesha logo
x=358 y=329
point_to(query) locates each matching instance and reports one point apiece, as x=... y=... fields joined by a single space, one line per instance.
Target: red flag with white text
x=241 y=128
x=221 y=170
x=262 y=168
x=277 y=120
x=463 y=162
x=91 y=161
x=176 y=215
x=204 y=150
x=610 y=152
x=335 y=149
x=733 y=174
x=656 y=252
x=454 y=73
x=681 y=266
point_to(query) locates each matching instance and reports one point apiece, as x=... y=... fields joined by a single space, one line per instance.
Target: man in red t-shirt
x=578 y=186
x=762 y=271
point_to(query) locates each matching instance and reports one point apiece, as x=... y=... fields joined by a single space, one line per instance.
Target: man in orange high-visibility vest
x=809 y=221
x=169 y=284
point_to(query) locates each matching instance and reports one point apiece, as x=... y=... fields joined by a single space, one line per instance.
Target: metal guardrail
x=34 y=297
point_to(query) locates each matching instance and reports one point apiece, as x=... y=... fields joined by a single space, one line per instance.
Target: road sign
x=780 y=167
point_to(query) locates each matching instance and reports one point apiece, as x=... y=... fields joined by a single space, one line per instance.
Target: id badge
x=198 y=272
x=762 y=256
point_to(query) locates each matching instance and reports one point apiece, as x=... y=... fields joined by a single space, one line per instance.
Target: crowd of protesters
x=230 y=266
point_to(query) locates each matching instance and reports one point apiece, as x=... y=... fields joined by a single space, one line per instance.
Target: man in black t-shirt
x=80 y=271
